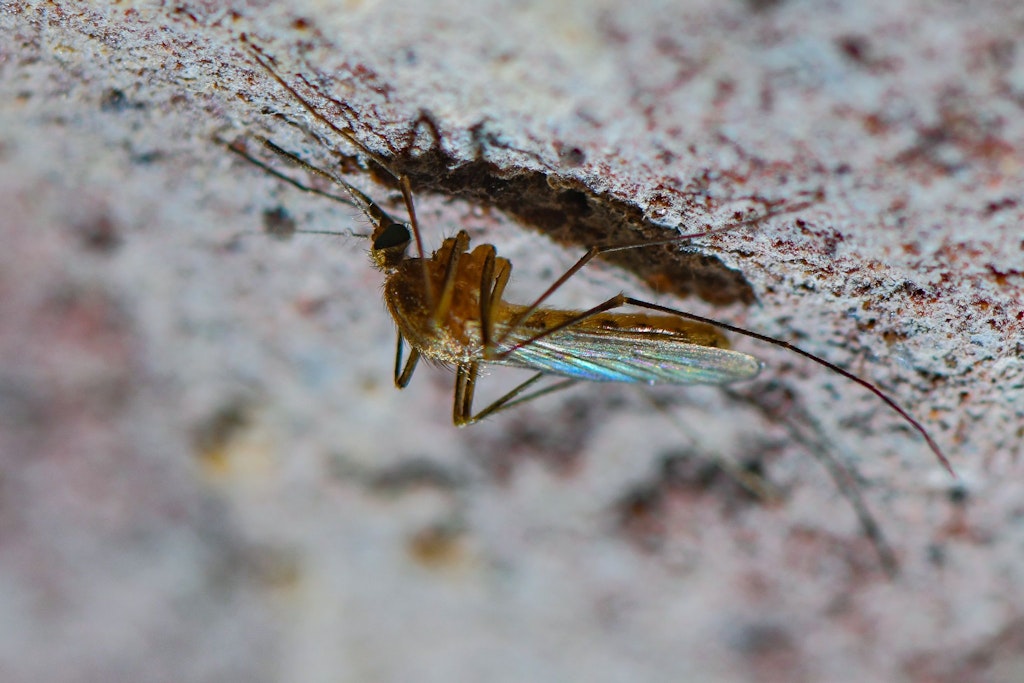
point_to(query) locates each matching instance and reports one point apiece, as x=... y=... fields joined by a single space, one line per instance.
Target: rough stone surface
x=206 y=475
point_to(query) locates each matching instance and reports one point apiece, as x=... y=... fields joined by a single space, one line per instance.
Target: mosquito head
x=390 y=242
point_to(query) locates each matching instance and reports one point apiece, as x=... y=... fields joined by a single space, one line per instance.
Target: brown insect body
x=456 y=337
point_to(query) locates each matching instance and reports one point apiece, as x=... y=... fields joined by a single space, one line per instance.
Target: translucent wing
x=601 y=355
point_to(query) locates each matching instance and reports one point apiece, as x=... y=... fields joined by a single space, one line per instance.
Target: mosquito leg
x=504 y=268
x=403 y=374
x=491 y=290
x=844 y=476
x=369 y=207
x=623 y=300
x=591 y=254
x=344 y=131
x=594 y=252
x=586 y=258
x=847 y=485
x=410 y=207
x=459 y=244
x=517 y=398
x=753 y=483
x=465 y=385
x=616 y=301
x=885 y=398
x=846 y=481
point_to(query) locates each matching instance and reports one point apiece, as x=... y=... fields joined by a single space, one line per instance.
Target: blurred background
x=206 y=473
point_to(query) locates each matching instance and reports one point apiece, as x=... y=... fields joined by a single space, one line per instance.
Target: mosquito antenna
x=369 y=207
x=264 y=61
x=270 y=170
x=266 y=168
x=817 y=359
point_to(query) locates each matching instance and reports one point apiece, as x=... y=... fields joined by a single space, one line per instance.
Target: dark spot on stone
x=211 y=437
x=763 y=5
x=854 y=48
x=639 y=516
x=414 y=475
x=277 y=222
x=958 y=494
x=99 y=234
x=147 y=158
x=114 y=100
x=571 y=156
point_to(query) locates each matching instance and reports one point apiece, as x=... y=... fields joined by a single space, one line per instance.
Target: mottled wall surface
x=206 y=475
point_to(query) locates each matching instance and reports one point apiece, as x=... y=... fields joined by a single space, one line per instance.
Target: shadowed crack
x=573 y=214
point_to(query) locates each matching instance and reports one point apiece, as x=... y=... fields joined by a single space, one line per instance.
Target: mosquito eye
x=395 y=235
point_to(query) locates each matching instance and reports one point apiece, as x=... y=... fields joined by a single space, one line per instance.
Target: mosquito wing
x=629 y=356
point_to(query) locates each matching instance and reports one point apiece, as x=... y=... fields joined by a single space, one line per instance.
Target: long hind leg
x=403 y=373
x=465 y=386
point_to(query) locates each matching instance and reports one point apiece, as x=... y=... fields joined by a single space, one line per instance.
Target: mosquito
x=449 y=308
